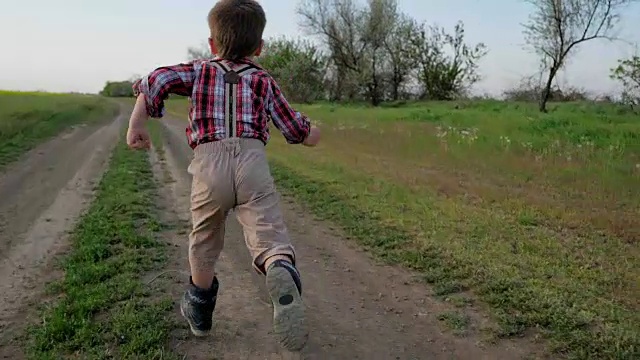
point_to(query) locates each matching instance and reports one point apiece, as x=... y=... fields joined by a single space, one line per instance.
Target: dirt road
x=41 y=196
x=357 y=309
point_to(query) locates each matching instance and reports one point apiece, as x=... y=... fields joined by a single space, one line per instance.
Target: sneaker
x=285 y=290
x=197 y=307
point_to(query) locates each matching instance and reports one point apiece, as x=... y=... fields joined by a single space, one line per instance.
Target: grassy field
x=26 y=119
x=531 y=216
x=102 y=309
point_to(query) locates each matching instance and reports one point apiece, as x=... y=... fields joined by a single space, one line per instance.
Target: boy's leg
x=211 y=198
x=258 y=211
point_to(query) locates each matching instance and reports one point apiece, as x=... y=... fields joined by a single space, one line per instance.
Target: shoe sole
x=289 y=322
x=194 y=331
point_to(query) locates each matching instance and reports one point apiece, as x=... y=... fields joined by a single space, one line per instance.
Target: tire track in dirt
x=41 y=197
x=357 y=309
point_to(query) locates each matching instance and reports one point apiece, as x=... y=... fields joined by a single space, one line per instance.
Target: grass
x=27 y=119
x=102 y=309
x=533 y=215
x=456 y=321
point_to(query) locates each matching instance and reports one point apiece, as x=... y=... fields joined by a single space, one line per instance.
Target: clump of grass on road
x=104 y=310
x=26 y=119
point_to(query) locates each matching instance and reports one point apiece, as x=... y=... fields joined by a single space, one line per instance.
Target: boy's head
x=236 y=28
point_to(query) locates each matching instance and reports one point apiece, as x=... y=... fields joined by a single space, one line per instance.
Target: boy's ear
x=212 y=47
x=259 y=50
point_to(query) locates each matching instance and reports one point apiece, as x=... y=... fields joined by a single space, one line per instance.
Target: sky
x=78 y=45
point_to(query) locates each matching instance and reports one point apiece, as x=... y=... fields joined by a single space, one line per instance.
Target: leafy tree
x=118 y=89
x=628 y=73
x=444 y=75
x=297 y=65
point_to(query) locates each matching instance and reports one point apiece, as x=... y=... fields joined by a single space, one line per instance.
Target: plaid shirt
x=259 y=98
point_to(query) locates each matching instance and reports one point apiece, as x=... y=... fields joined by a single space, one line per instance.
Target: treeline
x=371 y=51
x=374 y=52
x=118 y=89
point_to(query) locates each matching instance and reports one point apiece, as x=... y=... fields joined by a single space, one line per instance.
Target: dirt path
x=41 y=196
x=357 y=309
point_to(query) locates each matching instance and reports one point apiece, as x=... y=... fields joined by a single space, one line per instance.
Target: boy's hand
x=313 y=138
x=138 y=138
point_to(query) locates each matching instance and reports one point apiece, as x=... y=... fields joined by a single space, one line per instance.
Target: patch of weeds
x=457 y=300
x=529 y=218
x=446 y=288
x=456 y=321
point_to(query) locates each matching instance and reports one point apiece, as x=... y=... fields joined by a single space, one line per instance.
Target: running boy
x=231 y=101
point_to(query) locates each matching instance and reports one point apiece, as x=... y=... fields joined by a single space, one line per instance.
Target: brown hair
x=236 y=27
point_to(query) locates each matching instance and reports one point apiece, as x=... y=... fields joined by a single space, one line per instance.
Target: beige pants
x=234 y=174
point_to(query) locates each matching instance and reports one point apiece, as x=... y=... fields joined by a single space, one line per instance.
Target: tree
x=340 y=25
x=382 y=15
x=118 y=89
x=628 y=73
x=401 y=61
x=444 y=76
x=375 y=51
x=557 y=27
x=297 y=65
x=361 y=42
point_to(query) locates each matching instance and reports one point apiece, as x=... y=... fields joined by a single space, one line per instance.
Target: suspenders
x=232 y=78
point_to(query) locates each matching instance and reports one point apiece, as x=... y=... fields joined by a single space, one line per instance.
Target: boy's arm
x=156 y=87
x=139 y=115
x=292 y=124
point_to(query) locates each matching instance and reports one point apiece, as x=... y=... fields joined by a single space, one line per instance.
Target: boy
x=231 y=100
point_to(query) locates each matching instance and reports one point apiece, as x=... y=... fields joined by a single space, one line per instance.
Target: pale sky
x=77 y=45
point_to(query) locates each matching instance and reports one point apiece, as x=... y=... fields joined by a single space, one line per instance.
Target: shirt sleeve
x=156 y=87
x=292 y=124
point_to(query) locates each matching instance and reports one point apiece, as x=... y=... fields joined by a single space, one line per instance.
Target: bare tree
x=357 y=38
x=556 y=27
x=339 y=23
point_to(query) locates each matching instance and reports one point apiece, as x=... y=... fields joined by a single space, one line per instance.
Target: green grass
x=103 y=310
x=27 y=119
x=456 y=321
x=532 y=216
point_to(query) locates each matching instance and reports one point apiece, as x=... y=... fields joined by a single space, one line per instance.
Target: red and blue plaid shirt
x=259 y=99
